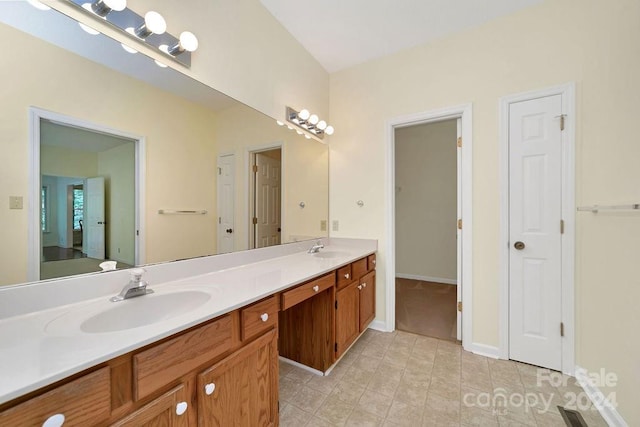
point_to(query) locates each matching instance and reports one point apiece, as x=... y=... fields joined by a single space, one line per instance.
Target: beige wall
x=117 y=166
x=426 y=205
x=180 y=150
x=305 y=172
x=244 y=52
x=592 y=43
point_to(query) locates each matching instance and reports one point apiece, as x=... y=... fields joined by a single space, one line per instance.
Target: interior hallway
x=403 y=379
x=426 y=308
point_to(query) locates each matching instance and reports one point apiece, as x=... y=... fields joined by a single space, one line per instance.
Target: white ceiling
x=343 y=33
x=59 y=135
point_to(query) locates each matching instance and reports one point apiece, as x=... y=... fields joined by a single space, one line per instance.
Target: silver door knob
x=264 y=317
x=316 y=288
x=519 y=245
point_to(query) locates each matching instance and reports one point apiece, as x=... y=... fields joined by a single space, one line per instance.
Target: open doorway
x=86 y=189
x=426 y=228
x=265 y=197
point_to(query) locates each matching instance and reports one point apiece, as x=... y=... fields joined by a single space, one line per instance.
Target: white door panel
x=535 y=197
x=267 y=203
x=95 y=224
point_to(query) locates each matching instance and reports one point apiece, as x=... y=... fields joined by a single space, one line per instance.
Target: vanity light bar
x=308 y=122
x=149 y=29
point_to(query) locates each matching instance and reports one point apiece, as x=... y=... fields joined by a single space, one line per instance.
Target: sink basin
x=330 y=254
x=131 y=313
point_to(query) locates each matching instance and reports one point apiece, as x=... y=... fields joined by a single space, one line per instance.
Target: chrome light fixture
x=308 y=122
x=149 y=29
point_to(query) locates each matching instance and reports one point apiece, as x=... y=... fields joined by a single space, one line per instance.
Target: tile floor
x=403 y=379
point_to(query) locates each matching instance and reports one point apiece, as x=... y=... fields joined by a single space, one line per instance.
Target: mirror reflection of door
x=87 y=207
x=267 y=173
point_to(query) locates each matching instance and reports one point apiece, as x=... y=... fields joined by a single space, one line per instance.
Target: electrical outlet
x=335 y=225
x=15 y=202
x=323 y=225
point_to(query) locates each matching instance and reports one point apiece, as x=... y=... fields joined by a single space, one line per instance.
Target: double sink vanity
x=202 y=349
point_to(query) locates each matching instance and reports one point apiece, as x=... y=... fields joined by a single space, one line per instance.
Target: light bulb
x=88 y=29
x=153 y=23
x=103 y=7
x=38 y=5
x=313 y=119
x=329 y=130
x=188 y=41
x=304 y=114
x=322 y=125
x=128 y=49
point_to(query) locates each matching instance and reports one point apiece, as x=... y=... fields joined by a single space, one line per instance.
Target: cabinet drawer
x=371 y=262
x=166 y=362
x=84 y=401
x=344 y=276
x=307 y=290
x=259 y=317
x=359 y=268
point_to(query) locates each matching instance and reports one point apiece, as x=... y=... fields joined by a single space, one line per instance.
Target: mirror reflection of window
x=78 y=207
x=44 y=209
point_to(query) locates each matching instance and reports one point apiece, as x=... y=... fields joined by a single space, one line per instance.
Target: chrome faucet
x=135 y=288
x=315 y=248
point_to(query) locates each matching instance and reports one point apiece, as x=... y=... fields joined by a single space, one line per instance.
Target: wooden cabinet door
x=242 y=389
x=347 y=317
x=367 y=299
x=169 y=410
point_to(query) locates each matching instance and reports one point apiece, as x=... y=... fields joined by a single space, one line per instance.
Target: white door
x=535 y=197
x=459 y=231
x=226 y=203
x=267 y=201
x=95 y=221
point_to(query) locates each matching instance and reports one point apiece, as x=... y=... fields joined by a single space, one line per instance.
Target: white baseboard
x=484 y=350
x=427 y=278
x=604 y=406
x=378 y=325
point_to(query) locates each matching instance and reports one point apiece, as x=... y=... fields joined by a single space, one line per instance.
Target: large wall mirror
x=109 y=157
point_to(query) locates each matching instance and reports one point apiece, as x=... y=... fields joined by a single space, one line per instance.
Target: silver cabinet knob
x=347 y=275
x=181 y=408
x=364 y=285
x=360 y=287
x=316 y=288
x=56 y=420
x=374 y=262
x=264 y=317
x=209 y=388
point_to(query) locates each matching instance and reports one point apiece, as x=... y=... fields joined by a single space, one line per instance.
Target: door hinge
x=255 y=220
x=219 y=220
x=255 y=168
x=137 y=232
x=335 y=347
x=219 y=171
x=561 y=329
x=336 y=305
x=562 y=226
x=459 y=142
x=562 y=119
x=460 y=306
x=459 y=224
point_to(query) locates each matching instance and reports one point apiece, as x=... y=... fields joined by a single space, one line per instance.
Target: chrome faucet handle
x=134 y=288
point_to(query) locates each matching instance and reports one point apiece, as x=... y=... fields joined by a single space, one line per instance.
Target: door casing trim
x=33 y=246
x=464 y=112
x=567 y=92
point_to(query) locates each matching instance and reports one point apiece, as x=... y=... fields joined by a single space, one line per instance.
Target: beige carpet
x=426 y=308
x=69 y=267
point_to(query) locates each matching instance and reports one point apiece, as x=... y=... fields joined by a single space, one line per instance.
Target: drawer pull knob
x=364 y=285
x=374 y=262
x=346 y=276
x=209 y=388
x=54 y=421
x=181 y=408
x=264 y=317
x=360 y=287
x=316 y=288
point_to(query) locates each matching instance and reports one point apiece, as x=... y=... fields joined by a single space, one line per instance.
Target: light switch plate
x=323 y=225
x=335 y=225
x=15 y=202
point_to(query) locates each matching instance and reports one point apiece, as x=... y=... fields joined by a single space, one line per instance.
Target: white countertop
x=36 y=351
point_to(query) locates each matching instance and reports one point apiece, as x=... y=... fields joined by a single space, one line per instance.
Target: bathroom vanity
x=201 y=350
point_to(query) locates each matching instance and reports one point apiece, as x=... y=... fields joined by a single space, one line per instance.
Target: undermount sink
x=130 y=313
x=330 y=254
